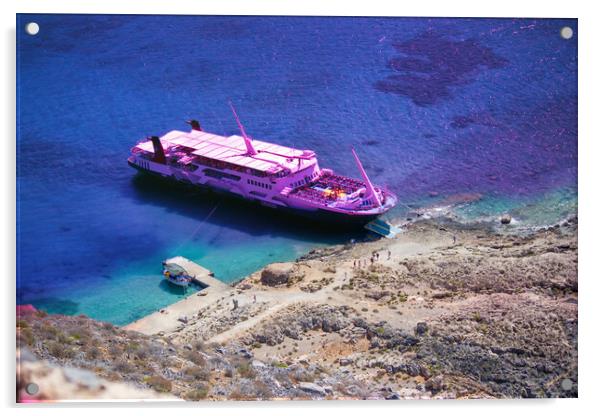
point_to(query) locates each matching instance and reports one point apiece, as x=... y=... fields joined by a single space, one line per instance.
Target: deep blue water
x=479 y=114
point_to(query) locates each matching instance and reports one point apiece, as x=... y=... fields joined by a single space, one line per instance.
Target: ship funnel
x=369 y=186
x=195 y=125
x=250 y=149
x=158 y=149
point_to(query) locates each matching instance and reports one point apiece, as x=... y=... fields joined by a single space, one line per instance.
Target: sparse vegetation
x=160 y=384
x=59 y=350
x=244 y=369
x=195 y=357
x=199 y=393
x=93 y=353
x=197 y=373
x=123 y=366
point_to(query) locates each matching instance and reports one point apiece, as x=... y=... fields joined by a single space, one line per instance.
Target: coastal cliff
x=441 y=311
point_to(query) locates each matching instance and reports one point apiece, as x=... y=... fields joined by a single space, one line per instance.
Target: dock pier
x=200 y=276
x=170 y=317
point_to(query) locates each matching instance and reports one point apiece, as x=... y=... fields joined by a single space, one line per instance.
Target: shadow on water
x=231 y=212
x=172 y=289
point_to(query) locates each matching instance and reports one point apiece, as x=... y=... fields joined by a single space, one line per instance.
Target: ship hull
x=318 y=216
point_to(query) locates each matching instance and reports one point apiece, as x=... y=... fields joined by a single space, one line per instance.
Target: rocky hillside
x=479 y=315
x=115 y=357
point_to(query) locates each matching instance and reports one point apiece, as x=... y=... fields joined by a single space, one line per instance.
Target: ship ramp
x=382 y=228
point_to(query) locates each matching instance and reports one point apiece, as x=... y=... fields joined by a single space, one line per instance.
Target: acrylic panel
x=303 y=208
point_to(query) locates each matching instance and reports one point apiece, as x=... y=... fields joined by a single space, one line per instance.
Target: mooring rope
x=198 y=228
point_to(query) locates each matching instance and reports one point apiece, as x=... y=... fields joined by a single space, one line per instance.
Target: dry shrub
x=195 y=357
x=115 y=350
x=93 y=353
x=160 y=384
x=244 y=369
x=300 y=375
x=123 y=366
x=59 y=350
x=25 y=336
x=199 y=393
x=199 y=345
x=197 y=373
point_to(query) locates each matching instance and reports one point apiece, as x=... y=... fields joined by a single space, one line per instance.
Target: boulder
x=506 y=219
x=245 y=353
x=312 y=388
x=345 y=361
x=435 y=384
x=421 y=328
x=271 y=336
x=276 y=274
x=333 y=323
x=377 y=294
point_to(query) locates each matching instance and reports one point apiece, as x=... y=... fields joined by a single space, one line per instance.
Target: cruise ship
x=273 y=175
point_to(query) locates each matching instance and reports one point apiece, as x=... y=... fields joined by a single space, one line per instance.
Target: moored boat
x=276 y=176
x=175 y=274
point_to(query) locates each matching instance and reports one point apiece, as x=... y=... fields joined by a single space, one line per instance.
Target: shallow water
x=476 y=114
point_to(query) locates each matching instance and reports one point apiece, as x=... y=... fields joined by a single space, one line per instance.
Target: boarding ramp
x=382 y=228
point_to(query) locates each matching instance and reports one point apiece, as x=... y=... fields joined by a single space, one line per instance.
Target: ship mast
x=250 y=149
x=369 y=186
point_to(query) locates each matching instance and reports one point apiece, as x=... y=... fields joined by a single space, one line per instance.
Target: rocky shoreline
x=441 y=311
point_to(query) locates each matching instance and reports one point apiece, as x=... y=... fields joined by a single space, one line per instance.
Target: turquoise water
x=475 y=115
x=528 y=214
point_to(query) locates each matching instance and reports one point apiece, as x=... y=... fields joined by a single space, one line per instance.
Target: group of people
x=359 y=263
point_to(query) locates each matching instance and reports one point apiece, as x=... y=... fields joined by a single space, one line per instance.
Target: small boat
x=176 y=275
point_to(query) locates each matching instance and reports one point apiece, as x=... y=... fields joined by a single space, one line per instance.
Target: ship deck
x=270 y=158
x=327 y=189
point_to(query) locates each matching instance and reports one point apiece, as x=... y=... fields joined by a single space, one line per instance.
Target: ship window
x=220 y=175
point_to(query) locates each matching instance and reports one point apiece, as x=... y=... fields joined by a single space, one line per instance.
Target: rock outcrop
x=277 y=274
